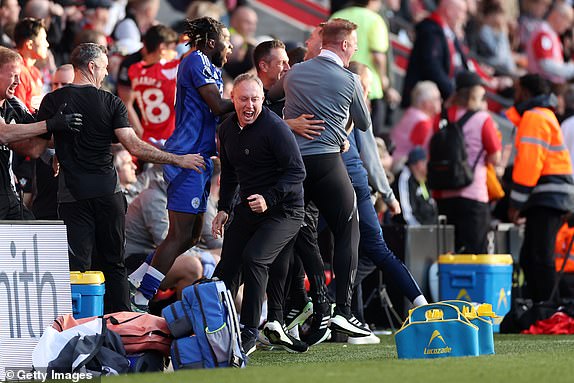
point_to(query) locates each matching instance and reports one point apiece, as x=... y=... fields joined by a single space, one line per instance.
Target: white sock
x=155 y=273
x=136 y=277
x=420 y=300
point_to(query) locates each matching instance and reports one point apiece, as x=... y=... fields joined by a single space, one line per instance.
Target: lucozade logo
x=436 y=337
x=502 y=299
x=463 y=295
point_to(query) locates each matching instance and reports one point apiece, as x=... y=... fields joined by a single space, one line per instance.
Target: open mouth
x=248 y=115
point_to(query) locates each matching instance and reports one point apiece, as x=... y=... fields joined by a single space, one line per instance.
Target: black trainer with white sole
x=348 y=324
x=278 y=336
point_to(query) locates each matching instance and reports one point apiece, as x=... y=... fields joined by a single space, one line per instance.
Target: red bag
x=139 y=332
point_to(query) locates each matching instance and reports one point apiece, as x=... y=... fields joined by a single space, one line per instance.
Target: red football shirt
x=154 y=86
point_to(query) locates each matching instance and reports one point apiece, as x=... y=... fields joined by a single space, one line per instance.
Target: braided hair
x=202 y=29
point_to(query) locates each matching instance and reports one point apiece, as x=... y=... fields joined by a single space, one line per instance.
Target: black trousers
x=328 y=185
x=96 y=239
x=252 y=244
x=537 y=252
x=378 y=108
x=471 y=220
x=308 y=261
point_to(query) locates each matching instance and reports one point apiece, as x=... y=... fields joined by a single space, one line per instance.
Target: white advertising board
x=34 y=287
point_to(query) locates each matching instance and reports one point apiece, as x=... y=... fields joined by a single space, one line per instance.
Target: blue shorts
x=188 y=190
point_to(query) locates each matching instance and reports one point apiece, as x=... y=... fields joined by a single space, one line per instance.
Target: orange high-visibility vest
x=563 y=239
x=542 y=172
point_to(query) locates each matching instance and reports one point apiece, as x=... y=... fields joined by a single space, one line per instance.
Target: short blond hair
x=247 y=77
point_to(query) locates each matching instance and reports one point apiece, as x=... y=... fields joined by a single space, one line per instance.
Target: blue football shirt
x=194 y=122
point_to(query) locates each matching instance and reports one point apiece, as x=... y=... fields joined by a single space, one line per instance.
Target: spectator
x=243 y=25
x=9 y=16
x=532 y=15
x=116 y=13
x=542 y=182
x=153 y=83
x=31 y=43
x=467 y=208
x=140 y=16
x=197 y=9
x=90 y=202
x=544 y=49
x=90 y=36
x=437 y=55
x=45 y=205
x=30 y=38
x=126 y=169
x=415 y=126
x=63 y=76
x=96 y=15
x=494 y=43
x=418 y=206
x=372 y=45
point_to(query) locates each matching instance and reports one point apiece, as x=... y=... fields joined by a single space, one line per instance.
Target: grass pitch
x=519 y=358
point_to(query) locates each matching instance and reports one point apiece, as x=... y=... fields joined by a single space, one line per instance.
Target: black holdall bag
x=448 y=167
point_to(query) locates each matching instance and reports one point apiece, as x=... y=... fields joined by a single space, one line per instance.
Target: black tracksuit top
x=263 y=158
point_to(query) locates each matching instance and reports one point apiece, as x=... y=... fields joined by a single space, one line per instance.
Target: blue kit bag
x=206 y=328
x=436 y=330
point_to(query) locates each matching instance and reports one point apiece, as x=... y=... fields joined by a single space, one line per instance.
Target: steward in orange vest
x=543 y=188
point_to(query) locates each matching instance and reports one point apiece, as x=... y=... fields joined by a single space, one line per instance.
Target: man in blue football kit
x=198 y=105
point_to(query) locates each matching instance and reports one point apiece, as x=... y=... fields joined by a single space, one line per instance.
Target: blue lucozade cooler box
x=87 y=293
x=482 y=278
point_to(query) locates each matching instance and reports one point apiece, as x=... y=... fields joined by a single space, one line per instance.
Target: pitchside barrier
x=34 y=286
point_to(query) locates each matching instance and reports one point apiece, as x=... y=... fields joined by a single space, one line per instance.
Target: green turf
x=519 y=358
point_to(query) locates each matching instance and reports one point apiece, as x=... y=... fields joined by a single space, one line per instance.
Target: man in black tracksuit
x=259 y=153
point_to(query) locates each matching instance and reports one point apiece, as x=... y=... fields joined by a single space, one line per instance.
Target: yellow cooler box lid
x=87 y=278
x=475 y=259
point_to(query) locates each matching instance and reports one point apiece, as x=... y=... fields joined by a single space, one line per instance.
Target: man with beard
x=198 y=103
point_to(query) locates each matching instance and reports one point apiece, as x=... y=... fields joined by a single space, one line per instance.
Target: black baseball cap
x=467 y=79
x=93 y=4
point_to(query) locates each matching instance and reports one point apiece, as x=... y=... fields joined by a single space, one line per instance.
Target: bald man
x=243 y=25
x=63 y=76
